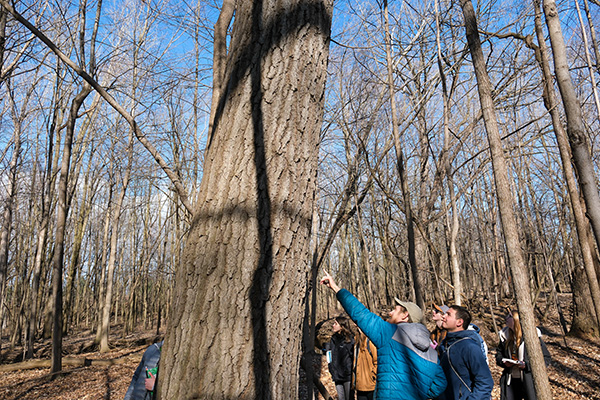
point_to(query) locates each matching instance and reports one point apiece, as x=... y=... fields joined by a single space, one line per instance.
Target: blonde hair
x=515 y=335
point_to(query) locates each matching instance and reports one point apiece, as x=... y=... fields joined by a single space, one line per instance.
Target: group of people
x=449 y=363
x=399 y=358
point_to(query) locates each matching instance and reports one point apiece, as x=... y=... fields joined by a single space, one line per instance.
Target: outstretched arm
x=328 y=281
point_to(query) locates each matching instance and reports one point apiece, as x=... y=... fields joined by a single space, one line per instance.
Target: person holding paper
x=516 y=382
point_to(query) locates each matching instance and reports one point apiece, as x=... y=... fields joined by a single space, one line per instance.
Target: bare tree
x=505 y=204
x=63 y=204
x=408 y=209
x=7 y=214
x=575 y=124
x=581 y=222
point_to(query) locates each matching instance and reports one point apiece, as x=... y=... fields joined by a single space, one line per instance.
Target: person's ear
x=459 y=322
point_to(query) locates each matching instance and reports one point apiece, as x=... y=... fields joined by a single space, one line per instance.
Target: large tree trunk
x=505 y=205
x=235 y=326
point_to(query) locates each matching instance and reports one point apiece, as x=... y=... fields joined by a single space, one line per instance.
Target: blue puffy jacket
x=407 y=366
x=466 y=369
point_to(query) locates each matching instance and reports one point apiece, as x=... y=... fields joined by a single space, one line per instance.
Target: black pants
x=516 y=390
x=364 y=395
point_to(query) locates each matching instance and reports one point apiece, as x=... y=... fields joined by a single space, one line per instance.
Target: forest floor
x=574 y=372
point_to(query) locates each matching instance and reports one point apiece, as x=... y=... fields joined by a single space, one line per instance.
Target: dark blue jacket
x=466 y=369
x=407 y=366
x=137 y=387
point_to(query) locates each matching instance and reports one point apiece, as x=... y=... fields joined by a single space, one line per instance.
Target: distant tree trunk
x=138 y=38
x=59 y=240
x=74 y=265
x=452 y=222
x=581 y=223
x=44 y=224
x=588 y=57
x=102 y=265
x=63 y=195
x=112 y=257
x=575 y=124
x=240 y=289
x=592 y=35
x=7 y=214
x=408 y=211
x=505 y=205
x=3 y=17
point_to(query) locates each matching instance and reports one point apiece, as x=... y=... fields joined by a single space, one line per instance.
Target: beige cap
x=413 y=310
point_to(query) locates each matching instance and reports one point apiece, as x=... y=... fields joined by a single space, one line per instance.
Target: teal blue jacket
x=407 y=365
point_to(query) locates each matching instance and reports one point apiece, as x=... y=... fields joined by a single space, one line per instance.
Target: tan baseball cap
x=413 y=310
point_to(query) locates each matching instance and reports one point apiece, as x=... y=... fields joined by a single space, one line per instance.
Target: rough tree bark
x=235 y=325
x=505 y=206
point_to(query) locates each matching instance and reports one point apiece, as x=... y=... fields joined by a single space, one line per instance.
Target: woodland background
x=95 y=219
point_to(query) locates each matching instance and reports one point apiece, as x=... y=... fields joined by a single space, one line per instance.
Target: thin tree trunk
x=452 y=219
x=40 y=251
x=74 y=265
x=577 y=146
x=61 y=222
x=112 y=258
x=9 y=203
x=63 y=195
x=505 y=205
x=102 y=265
x=592 y=35
x=412 y=248
x=575 y=124
x=588 y=59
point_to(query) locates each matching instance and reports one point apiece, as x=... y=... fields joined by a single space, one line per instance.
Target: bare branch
x=113 y=103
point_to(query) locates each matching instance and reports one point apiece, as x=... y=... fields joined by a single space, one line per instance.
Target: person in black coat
x=516 y=382
x=341 y=357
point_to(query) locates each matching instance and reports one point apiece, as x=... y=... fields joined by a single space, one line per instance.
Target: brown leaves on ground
x=77 y=383
x=574 y=372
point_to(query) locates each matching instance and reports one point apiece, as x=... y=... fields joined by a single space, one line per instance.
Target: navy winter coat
x=137 y=387
x=407 y=365
x=466 y=369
